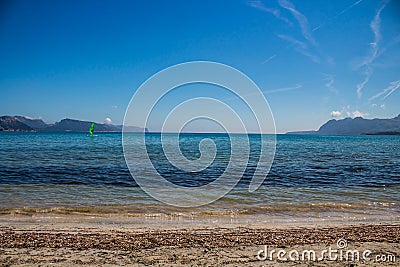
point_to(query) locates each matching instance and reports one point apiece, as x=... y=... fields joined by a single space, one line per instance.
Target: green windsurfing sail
x=91 y=129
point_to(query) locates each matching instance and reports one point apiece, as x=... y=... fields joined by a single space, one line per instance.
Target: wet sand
x=59 y=244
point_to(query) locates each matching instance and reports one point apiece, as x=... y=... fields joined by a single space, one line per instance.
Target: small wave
x=154 y=210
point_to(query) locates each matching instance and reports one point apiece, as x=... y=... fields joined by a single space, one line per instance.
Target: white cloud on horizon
x=382 y=106
x=33 y=118
x=336 y=114
x=345 y=112
x=357 y=113
x=107 y=120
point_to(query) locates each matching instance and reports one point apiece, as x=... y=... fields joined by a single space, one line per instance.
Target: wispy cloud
x=348 y=8
x=300 y=47
x=360 y=86
x=284 y=89
x=387 y=91
x=337 y=15
x=376 y=29
x=269 y=59
x=301 y=19
x=310 y=55
x=375 y=26
x=330 y=79
x=294 y=41
x=272 y=91
x=303 y=22
x=274 y=11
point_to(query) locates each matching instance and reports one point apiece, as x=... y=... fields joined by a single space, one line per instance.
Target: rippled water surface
x=314 y=175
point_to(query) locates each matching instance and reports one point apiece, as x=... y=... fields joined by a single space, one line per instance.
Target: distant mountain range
x=348 y=126
x=26 y=124
x=358 y=126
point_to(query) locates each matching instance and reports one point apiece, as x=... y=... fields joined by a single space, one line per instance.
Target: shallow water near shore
x=313 y=178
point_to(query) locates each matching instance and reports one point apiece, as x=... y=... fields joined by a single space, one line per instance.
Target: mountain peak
x=10 y=123
x=34 y=123
x=358 y=126
x=22 y=123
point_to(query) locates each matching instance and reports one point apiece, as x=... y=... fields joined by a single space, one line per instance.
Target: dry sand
x=66 y=244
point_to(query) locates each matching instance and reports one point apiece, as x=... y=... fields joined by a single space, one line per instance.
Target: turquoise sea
x=312 y=176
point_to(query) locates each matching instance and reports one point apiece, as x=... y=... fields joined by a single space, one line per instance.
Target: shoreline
x=184 y=220
x=69 y=244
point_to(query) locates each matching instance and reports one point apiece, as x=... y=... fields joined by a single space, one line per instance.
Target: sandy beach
x=61 y=243
x=200 y=133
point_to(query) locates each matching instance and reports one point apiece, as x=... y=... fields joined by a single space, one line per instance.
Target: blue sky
x=313 y=60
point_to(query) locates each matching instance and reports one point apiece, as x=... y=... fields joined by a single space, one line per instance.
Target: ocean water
x=312 y=176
